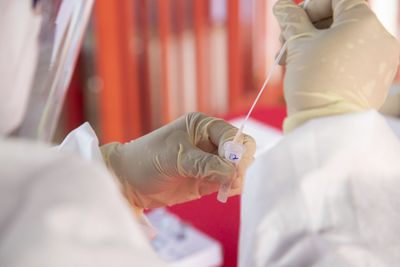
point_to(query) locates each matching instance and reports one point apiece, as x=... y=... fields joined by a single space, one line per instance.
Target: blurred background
x=144 y=63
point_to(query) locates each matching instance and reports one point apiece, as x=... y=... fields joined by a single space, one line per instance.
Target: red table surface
x=221 y=221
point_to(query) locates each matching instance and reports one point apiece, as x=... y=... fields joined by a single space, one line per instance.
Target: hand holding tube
x=179 y=162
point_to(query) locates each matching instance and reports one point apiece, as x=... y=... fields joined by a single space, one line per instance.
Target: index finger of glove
x=216 y=131
x=221 y=132
x=319 y=9
x=292 y=19
x=340 y=10
x=350 y=11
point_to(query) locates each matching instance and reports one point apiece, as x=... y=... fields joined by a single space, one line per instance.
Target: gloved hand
x=345 y=62
x=178 y=162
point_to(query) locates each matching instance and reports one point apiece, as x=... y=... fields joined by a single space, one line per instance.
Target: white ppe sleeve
x=327 y=195
x=83 y=141
x=59 y=209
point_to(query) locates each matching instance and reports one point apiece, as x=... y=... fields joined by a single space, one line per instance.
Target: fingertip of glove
x=250 y=144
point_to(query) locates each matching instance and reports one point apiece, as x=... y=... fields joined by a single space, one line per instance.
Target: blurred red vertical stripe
x=74 y=100
x=164 y=22
x=145 y=98
x=201 y=26
x=131 y=90
x=110 y=69
x=235 y=77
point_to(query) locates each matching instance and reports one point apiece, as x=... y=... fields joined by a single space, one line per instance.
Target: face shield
x=19 y=28
x=64 y=24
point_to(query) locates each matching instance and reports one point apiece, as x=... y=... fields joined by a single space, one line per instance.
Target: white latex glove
x=345 y=62
x=178 y=162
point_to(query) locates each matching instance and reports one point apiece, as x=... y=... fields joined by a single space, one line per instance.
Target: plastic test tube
x=233 y=153
x=233 y=149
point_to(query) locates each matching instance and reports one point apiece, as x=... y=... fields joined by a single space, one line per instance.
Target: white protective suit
x=56 y=209
x=59 y=209
x=327 y=195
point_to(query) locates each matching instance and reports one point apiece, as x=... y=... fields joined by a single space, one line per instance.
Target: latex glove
x=178 y=162
x=347 y=65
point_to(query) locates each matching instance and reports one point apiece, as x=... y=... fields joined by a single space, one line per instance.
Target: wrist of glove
x=110 y=153
x=179 y=162
x=340 y=59
x=335 y=108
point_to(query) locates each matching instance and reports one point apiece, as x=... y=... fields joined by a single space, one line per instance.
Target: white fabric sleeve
x=327 y=195
x=58 y=209
x=83 y=141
